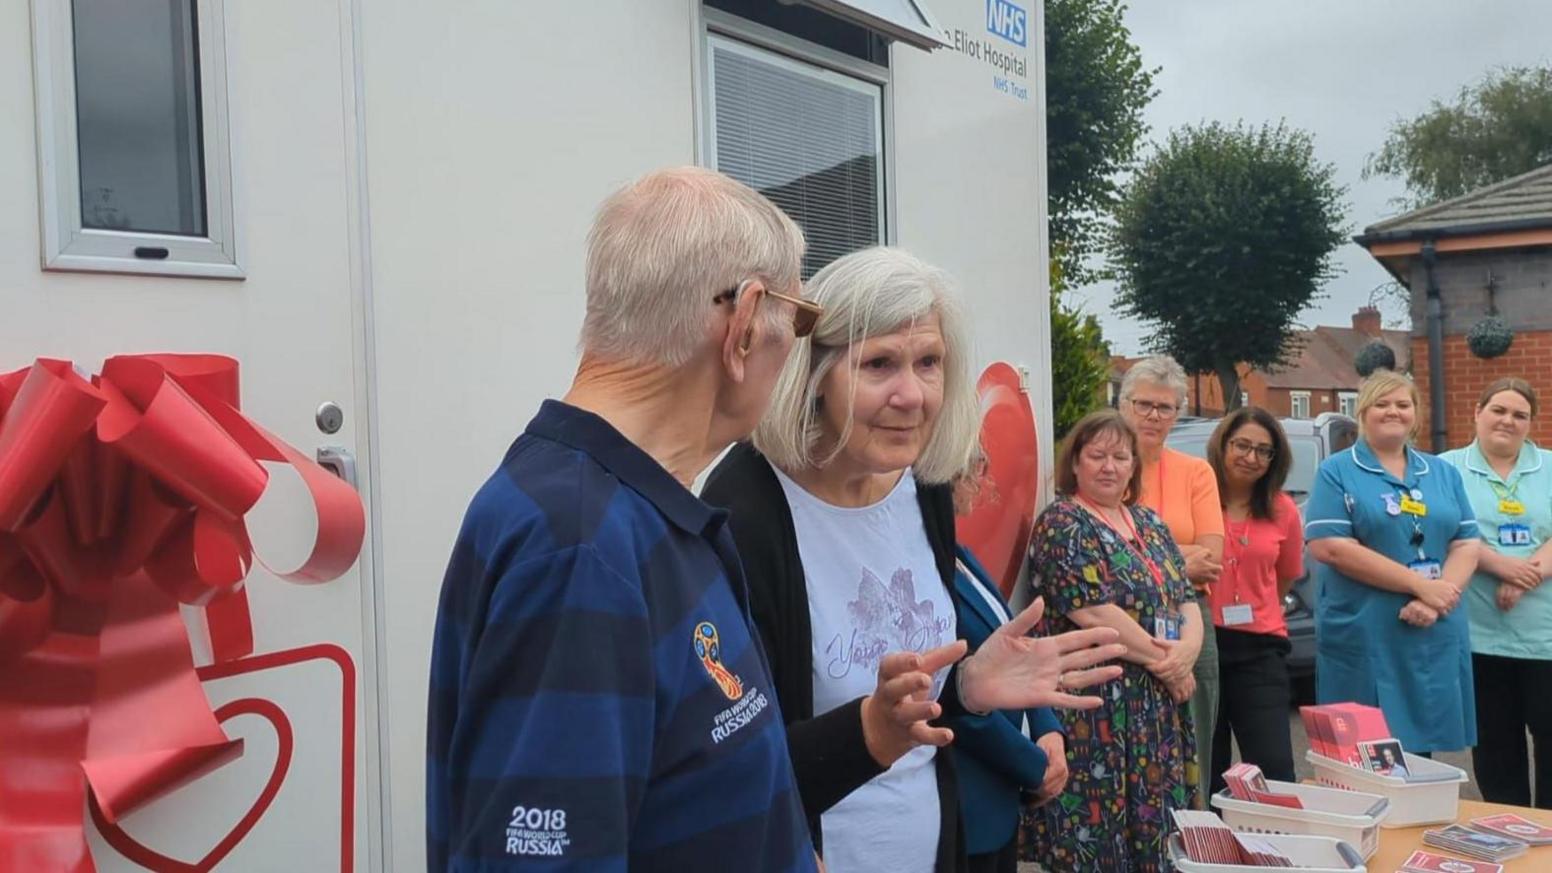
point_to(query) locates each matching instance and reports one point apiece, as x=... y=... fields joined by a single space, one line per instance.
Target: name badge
x=1166 y=627
x=1413 y=507
x=1427 y=568
x=1513 y=535
x=1511 y=507
x=1238 y=614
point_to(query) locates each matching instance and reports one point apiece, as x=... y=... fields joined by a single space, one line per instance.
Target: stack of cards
x=1247 y=783
x=1209 y=841
x=1515 y=828
x=1428 y=862
x=1336 y=729
x=1474 y=844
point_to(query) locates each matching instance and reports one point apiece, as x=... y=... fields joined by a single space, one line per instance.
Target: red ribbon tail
x=121 y=785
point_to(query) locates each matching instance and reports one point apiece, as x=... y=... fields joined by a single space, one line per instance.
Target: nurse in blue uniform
x=1396 y=541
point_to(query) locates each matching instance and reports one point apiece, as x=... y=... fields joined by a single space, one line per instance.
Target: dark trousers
x=1004 y=860
x=1513 y=695
x=1253 y=704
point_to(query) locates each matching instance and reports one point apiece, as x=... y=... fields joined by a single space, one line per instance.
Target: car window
x=1301 y=475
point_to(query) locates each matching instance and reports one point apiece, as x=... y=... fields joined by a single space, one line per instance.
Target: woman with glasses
x=1396 y=540
x=1263 y=553
x=1509 y=481
x=1184 y=492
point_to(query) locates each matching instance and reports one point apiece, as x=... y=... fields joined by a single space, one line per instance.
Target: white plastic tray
x=1312 y=854
x=1351 y=816
x=1411 y=803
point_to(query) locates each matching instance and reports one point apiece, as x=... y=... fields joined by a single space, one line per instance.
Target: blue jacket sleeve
x=541 y=716
x=1043 y=721
x=995 y=742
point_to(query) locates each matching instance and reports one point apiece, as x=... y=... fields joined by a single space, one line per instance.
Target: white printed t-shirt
x=873 y=589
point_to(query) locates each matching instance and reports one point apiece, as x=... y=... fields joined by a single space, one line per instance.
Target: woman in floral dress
x=1099 y=559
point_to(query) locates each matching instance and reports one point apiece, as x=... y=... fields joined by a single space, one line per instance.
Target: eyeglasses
x=804 y=318
x=1146 y=409
x=1246 y=447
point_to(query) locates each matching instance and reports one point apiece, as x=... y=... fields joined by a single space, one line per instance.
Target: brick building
x=1487 y=251
x=1321 y=378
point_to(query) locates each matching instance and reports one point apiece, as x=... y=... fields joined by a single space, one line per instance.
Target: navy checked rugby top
x=599 y=700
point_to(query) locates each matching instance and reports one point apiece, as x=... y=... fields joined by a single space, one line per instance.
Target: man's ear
x=740 y=336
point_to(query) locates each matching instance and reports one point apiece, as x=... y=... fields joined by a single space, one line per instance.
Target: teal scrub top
x=1526 y=630
x=1364 y=652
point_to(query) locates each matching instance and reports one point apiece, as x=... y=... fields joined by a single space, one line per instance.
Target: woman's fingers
x=910 y=712
x=926 y=735
x=1061 y=700
x=902 y=687
x=1088 y=678
x=1088 y=657
x=934 y=660
x=1025 y=621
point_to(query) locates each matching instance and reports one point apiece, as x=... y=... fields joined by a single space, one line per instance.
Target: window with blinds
x=809 y=138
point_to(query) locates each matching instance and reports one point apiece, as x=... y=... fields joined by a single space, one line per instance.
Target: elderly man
x=599 y=700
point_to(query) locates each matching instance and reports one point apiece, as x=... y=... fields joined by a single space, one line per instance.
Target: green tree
x=1080 y=360
x=1223 y=236
x=1497 y=128
x=1096 y=90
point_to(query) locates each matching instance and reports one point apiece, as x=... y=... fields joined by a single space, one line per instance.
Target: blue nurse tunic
x=1364 y=652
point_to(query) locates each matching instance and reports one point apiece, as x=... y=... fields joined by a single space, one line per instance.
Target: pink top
x=1256 y=553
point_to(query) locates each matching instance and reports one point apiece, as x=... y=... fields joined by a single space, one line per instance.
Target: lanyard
x=1233 y=547
x=1134 y=544
x=1503 y=493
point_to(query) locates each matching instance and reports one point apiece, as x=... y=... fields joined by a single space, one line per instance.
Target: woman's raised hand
x=1014 y=671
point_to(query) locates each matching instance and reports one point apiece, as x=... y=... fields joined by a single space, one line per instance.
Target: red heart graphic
x=997 y=530
x=151 y=859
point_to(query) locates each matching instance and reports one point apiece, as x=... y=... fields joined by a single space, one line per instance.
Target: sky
x=1343 y=70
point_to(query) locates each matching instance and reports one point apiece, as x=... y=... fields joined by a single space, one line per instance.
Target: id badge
x=1511 y=507
x=1237 y=614
x=1413 y=507
x=1513 y=535
x=1166 y=627
x=1427 y=568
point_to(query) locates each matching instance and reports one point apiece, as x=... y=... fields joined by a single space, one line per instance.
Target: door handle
x=340 y=461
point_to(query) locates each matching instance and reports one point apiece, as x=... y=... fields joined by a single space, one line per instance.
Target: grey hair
x=663 y=246
x=1160 y=370
x=866 y=294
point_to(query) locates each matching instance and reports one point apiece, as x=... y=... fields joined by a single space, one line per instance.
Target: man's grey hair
x=866 y=294
x=1161 y=370
x=666 y=244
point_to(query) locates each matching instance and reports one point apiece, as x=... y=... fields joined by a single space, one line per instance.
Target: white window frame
x=1347 y=403
x=806 y=57
x=67 y=245
x=1294 y=397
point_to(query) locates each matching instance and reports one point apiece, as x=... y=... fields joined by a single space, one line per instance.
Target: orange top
x=1183 y=490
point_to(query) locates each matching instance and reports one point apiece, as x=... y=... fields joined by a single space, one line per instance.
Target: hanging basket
x=1374 y=356
x=1489 y=337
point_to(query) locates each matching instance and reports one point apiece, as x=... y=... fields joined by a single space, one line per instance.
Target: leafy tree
x=1096 y=90
x=1080 y=360
x=1498 y=128
x=1223 y=236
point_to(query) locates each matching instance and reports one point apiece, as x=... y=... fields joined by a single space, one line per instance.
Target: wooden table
x=1397 y=844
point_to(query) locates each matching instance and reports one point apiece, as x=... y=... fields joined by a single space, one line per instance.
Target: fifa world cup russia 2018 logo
x=708 y=647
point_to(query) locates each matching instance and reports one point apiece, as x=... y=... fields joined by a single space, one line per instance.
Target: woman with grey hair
x=1183 y=490
x=843 y=516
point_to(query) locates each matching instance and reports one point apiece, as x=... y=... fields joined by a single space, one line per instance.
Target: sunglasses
x=804 y=318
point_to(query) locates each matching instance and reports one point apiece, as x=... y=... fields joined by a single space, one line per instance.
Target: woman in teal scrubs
x=1509 y=481
x=1396 y=541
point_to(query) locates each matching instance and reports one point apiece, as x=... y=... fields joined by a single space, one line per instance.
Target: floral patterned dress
x=1134 y=758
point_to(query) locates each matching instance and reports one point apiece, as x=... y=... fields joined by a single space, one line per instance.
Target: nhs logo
x=1008 y=21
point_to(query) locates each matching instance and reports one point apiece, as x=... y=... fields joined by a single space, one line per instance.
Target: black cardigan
x=828 y=752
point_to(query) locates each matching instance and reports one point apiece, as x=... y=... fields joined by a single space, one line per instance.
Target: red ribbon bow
x=120 y=498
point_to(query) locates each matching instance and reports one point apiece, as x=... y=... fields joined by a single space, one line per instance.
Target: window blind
x=807 y=138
